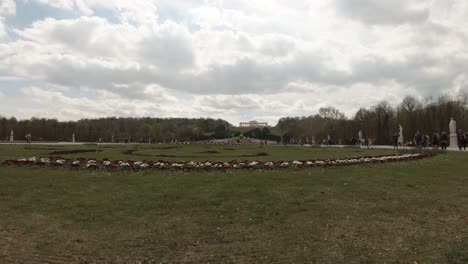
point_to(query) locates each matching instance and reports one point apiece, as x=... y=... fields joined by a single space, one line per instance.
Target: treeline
x=118 y=129
x=378 y=122
x=259 y=133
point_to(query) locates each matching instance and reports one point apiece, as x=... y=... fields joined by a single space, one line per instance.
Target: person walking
x=418 y=138
x=466 y=140
x=444 y=140
x=29 y=138
x=395 y=140
x=435 y=140
x=461 y=140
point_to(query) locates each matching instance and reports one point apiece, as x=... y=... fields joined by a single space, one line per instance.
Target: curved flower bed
x=132 y=165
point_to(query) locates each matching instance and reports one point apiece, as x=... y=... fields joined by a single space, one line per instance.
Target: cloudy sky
x=233 y=59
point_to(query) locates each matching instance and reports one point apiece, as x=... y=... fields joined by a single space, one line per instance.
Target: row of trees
x=379 y=122
x=120 y=129
x=260 y=133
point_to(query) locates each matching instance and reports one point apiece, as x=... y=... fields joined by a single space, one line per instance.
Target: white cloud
x=57 y=104
x=136 y=12
x=237 y=59
x=9 y=78
x=385 y=12
x=3 y=32
x=7 y=7
x=62 y=4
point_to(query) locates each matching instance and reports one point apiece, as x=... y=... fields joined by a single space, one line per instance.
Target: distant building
x=253 y=124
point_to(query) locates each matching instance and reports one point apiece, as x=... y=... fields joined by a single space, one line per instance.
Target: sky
x=238 y=60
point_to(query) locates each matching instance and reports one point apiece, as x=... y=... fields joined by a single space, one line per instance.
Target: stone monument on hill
x=401 y=139
x=453 y=134
x=360 y=138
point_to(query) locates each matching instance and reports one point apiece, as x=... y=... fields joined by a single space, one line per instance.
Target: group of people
x=436 y=141
x=424 y=140
x=364 y=142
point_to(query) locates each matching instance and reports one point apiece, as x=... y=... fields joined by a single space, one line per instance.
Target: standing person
x=461 y=140
x=28 y=138
x=444 y=140
x=395 y=140
x=435 y=140
x=466 y=140
x=418 y=138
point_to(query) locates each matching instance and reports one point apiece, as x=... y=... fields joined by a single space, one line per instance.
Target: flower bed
x=132 y=165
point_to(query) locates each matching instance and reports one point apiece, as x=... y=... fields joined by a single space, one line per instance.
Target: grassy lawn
x=411 y=212
x=185 y=152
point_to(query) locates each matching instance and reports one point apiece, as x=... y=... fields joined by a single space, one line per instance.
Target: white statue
x=11 y=135
x=453 y=126
x=453 y=134
x=401 y=139
x=73 y=138
x=360 y=135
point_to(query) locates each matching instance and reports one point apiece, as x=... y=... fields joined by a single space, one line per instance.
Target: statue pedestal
x=453 y=144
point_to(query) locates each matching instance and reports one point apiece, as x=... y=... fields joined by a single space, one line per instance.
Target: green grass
x=187 y=152
x=412 y=212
